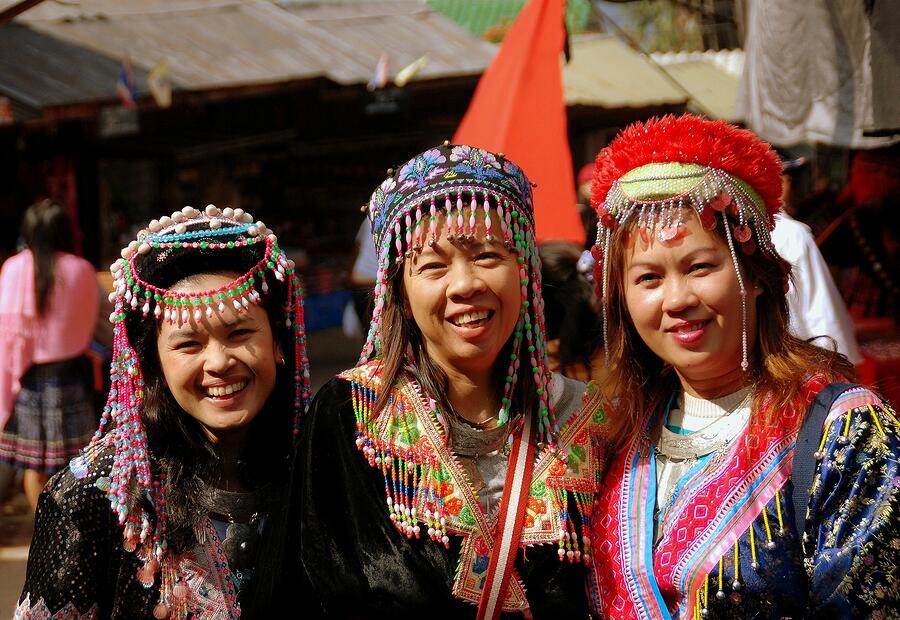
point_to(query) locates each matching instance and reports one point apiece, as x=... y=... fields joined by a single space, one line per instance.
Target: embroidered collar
x=428 y=491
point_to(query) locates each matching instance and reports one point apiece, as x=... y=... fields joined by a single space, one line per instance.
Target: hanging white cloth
x=823 y=71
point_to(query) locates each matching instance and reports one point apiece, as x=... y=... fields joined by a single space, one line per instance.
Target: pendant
x=241 y=543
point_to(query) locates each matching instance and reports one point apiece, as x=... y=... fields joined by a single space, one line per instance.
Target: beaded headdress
x=457 y=191
x=653 y=170
x=212 y=232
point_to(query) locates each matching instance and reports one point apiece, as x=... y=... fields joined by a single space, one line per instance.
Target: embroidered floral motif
x=40 y=611
x=517 y=178
x=476 y=163
x=403 y=426
x=382 y=200
x=535 y=510
x=418 y=172
x=482 y=558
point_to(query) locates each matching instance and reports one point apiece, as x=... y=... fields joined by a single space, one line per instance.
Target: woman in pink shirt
x=48 y=307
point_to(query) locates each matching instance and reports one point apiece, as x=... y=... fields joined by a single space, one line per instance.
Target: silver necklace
x=711 y=438
x=244 y=512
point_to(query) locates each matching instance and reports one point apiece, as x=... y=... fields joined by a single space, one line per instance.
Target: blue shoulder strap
x=805 y=462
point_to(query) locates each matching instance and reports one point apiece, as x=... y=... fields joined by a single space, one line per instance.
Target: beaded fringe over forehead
x=211 y=231
x=466 y=190
x=439 y=177
x=657 y=194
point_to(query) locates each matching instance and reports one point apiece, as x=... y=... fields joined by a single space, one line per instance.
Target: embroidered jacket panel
x=730 y=548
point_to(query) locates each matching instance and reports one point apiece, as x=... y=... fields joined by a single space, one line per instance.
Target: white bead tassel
x=448 y=206
x=604 y=293
x=745 y=364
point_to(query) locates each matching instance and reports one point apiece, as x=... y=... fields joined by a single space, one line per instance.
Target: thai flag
x=125 y=87
x=379 y=78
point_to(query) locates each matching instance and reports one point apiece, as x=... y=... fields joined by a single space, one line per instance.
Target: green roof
x=478 y=16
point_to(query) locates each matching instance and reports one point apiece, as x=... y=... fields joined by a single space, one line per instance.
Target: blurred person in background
x=574 y=335
x=363 y=270
x=587 y=213
x=48 y=309
x=817 y=310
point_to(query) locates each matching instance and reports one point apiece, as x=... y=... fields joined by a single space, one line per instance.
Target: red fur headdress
x=690 y=139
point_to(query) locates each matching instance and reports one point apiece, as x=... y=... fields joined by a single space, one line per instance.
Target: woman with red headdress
x=746 y=477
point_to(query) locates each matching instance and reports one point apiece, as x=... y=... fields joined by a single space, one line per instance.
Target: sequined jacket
x=729 y=547
x=367 y=561
x=78 y=568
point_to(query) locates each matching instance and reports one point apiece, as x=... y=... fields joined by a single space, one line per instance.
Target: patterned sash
x=512 y=518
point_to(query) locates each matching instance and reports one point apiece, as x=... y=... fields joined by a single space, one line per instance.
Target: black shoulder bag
x=805 y=463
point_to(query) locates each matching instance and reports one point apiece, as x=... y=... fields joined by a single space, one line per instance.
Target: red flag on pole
x=519 y=110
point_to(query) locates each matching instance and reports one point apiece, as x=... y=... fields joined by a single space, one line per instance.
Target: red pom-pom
x=690 y=139
x=742 y=233
x=708 y=219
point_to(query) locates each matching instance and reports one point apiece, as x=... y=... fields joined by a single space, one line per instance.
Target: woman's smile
x=225 y=391
x=475 y=318
x=689 y=332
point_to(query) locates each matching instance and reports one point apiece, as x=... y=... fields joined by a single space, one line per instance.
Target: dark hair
x=780 y=363
x=46 y=229
x=570 y=308
x=176 y=441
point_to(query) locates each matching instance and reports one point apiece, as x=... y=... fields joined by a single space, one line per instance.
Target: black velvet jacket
x=360 y=566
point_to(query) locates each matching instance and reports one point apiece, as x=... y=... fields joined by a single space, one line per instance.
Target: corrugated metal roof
x=342 y=9
x=38 y=71
x=729 y=61
x=405 y=29
x=222 y=43
x=711 y=77
x=59 y=53
x=230 y=44
x=713 y=88
x=604 y=71
x=5 y=4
